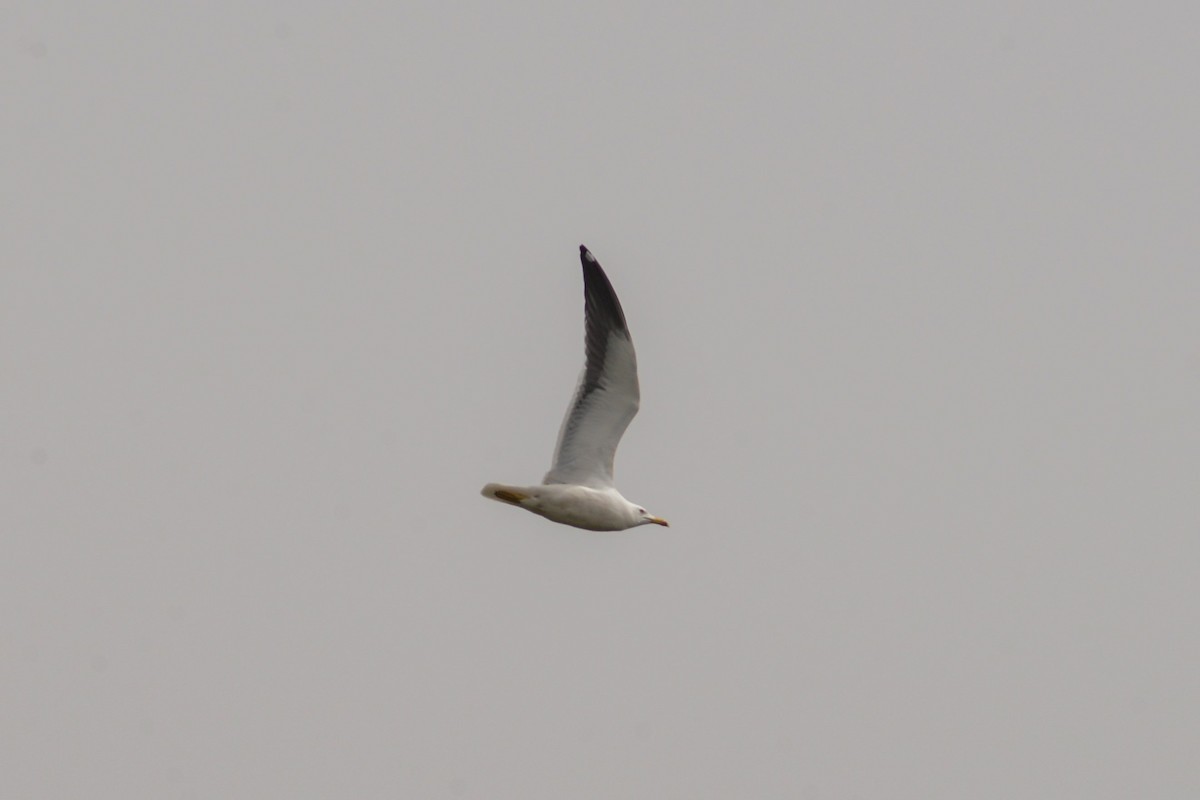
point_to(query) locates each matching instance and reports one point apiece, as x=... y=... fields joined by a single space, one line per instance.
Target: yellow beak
x=660 y=521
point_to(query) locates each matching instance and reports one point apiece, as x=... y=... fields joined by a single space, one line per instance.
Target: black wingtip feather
x=600 y=300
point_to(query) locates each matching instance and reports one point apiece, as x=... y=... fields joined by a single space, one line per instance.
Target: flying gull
x=578 y=490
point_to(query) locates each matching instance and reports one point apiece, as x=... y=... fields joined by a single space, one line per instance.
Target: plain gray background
x=914 y=289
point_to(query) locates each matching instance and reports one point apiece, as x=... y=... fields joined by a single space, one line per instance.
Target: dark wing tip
x=600 y=301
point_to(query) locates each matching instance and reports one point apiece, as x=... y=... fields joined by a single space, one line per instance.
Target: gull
x=578 y=490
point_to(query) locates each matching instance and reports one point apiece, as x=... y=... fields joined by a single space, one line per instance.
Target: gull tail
x=513 y=495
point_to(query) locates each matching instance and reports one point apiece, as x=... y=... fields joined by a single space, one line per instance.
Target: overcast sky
x=914 y=289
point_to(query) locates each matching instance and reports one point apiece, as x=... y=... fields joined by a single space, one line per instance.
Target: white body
x=579 y=506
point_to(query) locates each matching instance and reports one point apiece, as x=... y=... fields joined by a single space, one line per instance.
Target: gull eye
x=641 y=511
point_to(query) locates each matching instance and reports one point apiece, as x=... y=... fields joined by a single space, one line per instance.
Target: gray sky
x=914 y=290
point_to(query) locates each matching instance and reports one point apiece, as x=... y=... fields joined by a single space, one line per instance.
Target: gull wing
x=607 y=396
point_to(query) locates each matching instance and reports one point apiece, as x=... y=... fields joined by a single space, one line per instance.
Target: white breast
x=583 y=507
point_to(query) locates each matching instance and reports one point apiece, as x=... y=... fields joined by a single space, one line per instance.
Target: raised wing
x=607 y=397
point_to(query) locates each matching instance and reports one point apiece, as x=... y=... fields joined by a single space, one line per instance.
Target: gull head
x=644 y=517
